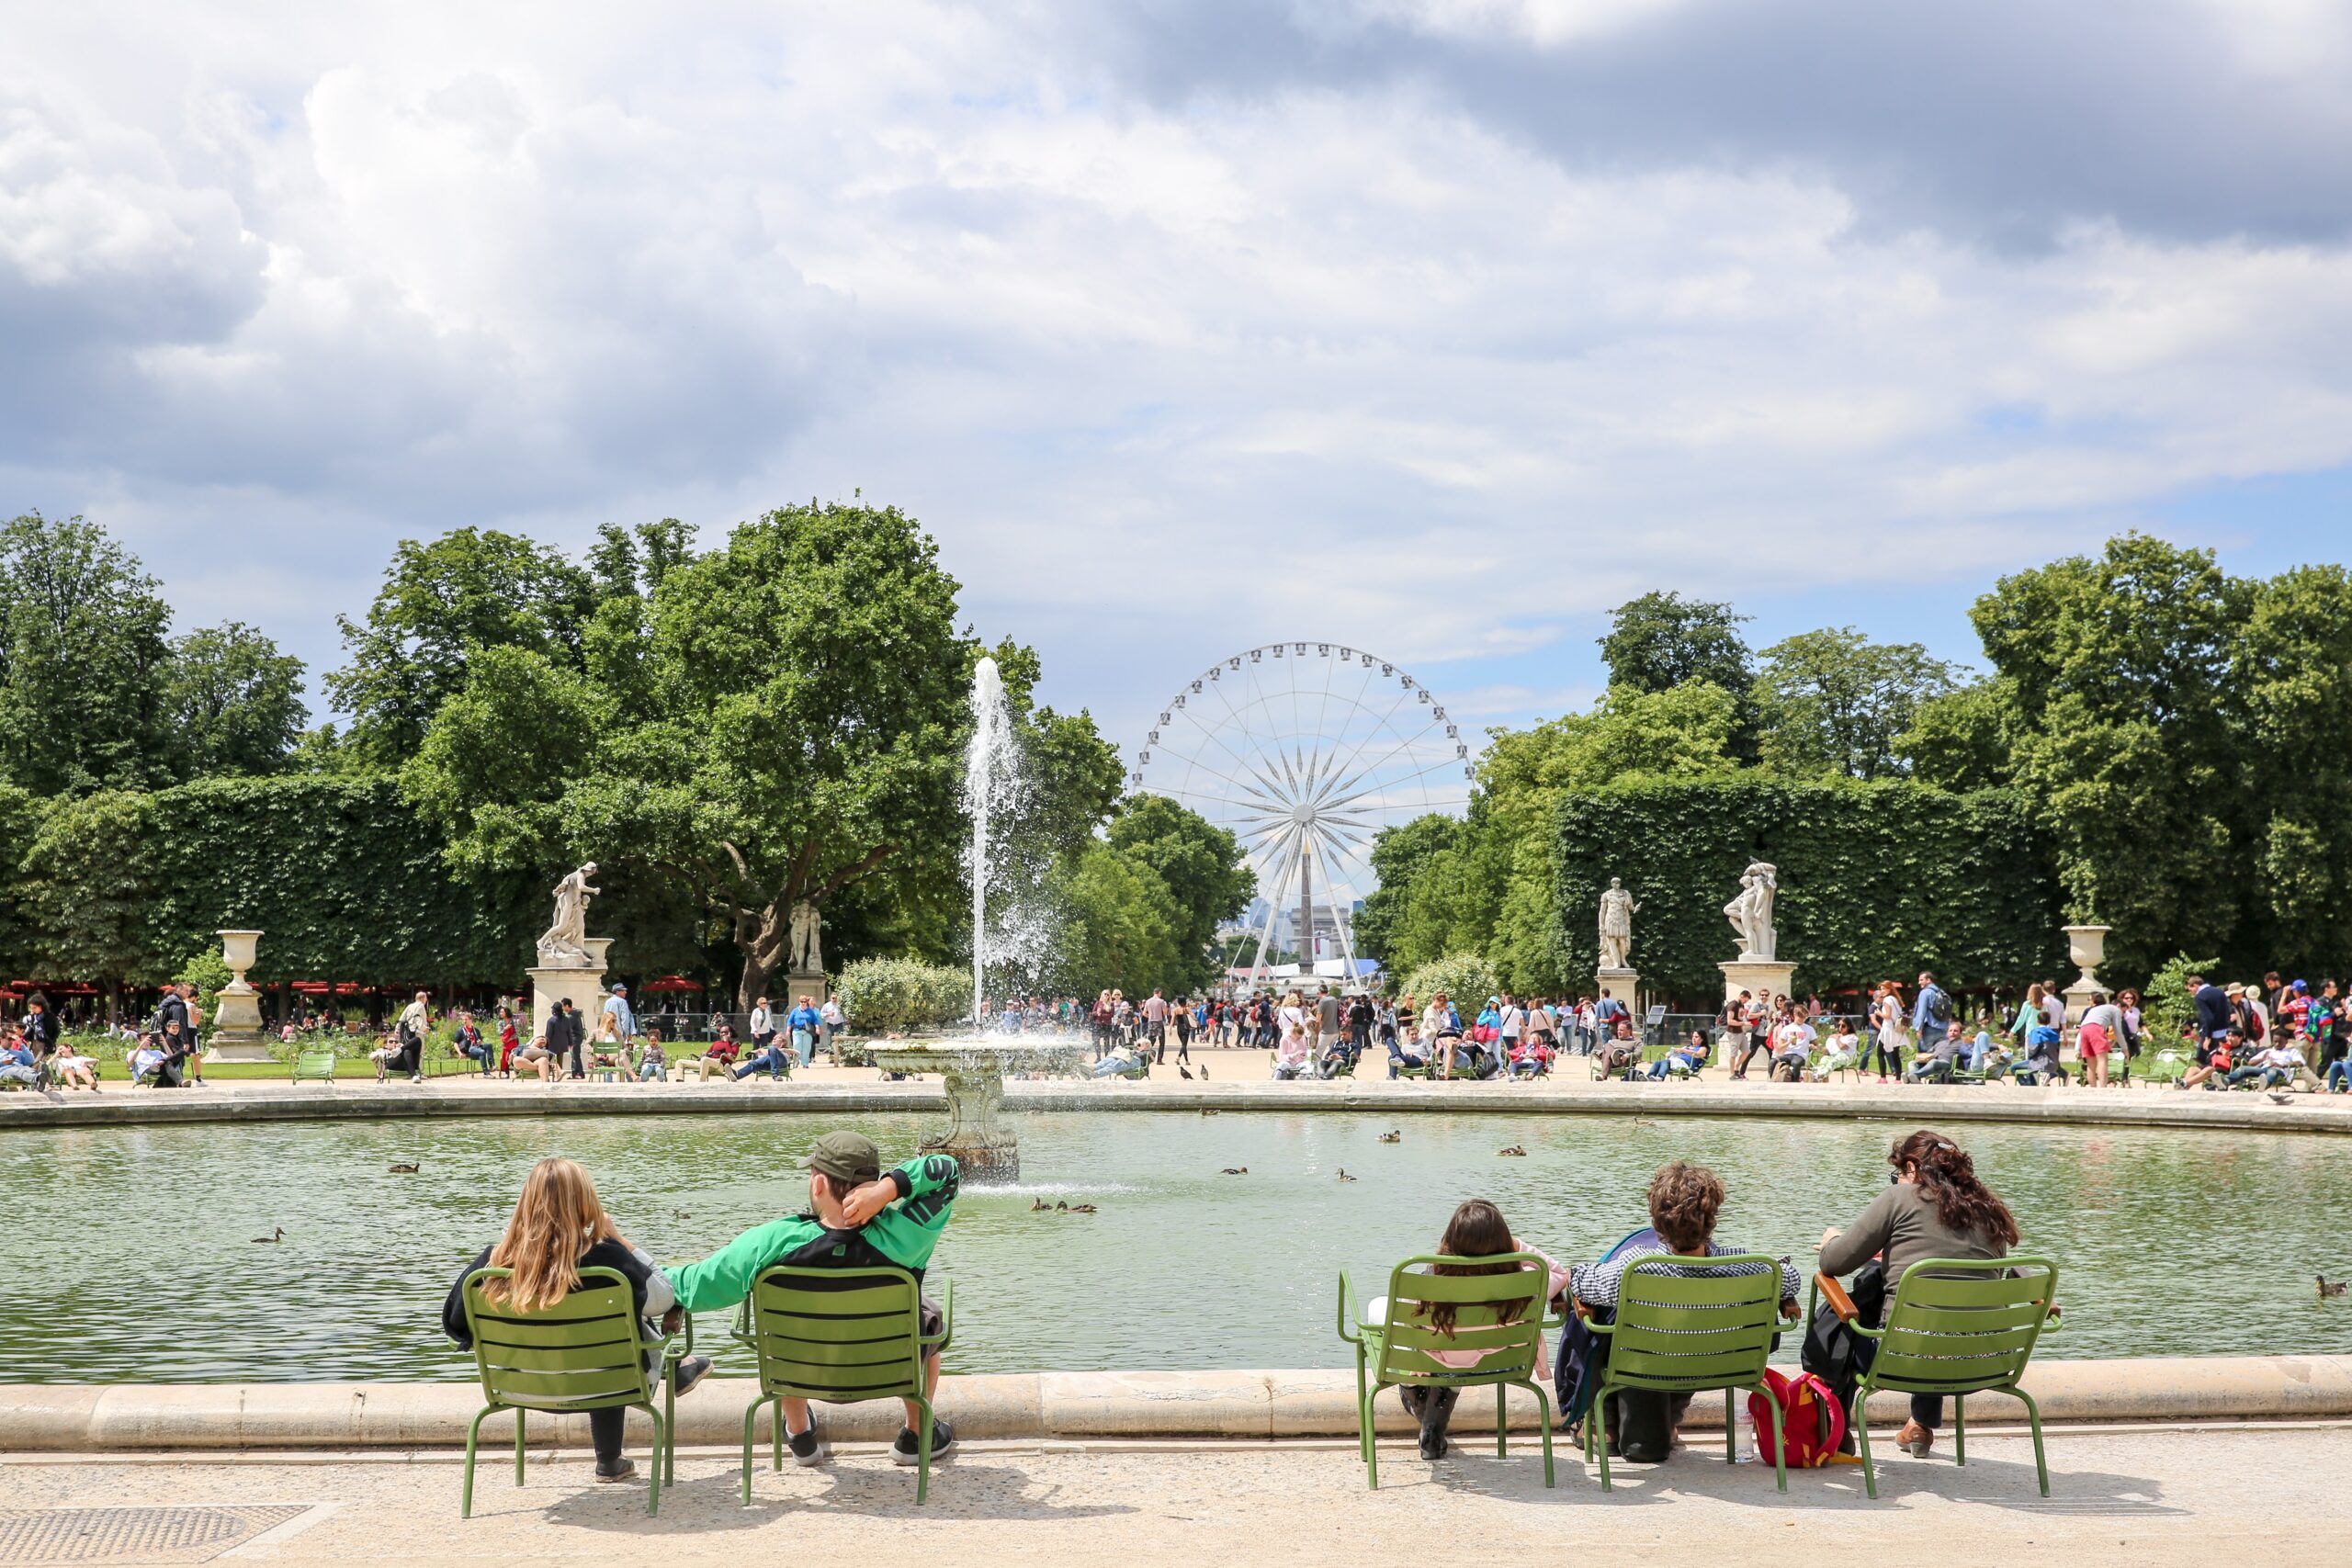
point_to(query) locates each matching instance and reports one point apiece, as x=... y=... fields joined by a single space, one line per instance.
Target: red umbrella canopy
x=673 y=982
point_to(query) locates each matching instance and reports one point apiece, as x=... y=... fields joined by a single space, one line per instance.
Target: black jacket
x=2213 y=1015
x=564 y=1030
x=607 y=1254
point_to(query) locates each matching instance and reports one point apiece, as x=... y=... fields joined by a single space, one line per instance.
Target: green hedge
x=891 y=995
x=1877 y=881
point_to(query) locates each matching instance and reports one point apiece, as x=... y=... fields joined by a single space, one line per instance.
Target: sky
x=1434 y=327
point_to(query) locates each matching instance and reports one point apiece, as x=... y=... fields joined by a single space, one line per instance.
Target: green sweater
x=902 y=1234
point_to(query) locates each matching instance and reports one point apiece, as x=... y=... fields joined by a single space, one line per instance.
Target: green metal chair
x=589 y=1351
x=318 y=1064
x=1958 y=1326
x=1677 y=1333
x=840 y=1336
x=1397 y=1351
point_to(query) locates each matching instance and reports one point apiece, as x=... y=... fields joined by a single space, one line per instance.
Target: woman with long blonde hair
x=560 y=1227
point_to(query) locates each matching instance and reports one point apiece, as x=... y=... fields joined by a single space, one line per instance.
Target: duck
x=278 y=1233
x=680 y=1214
x=1062 y=1207
x=1235 y=1170
x=1395 y=1136
x=405 y=1169
x=1206 y=1111
x=1514 y=1152
x=1040 y=1207
x=1081 y=1208
x=2332 y=1287
x=1345 y=1177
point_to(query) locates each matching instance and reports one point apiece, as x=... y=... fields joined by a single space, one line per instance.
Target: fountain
x=972 y=1068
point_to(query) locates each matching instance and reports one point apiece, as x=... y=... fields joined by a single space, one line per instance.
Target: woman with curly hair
x=1933 y=1206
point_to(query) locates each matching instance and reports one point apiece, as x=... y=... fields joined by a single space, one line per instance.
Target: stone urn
x=2085 y=945
x=235 y=1032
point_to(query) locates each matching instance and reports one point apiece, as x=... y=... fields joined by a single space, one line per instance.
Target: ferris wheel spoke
x=1347 y=940
x=1275 y=902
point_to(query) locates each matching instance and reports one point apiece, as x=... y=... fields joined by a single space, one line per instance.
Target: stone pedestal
x=1756 y=977
x=1620 y=983
x=584 y=987
x=798 y=986
x=2086 y=945
x=233 y=1032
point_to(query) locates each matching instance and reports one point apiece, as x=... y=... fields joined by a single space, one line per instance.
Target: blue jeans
x=804 y=1044
x=479 y=1054
x=2339 y=1073
x=651 y=1072
x=772 y=1061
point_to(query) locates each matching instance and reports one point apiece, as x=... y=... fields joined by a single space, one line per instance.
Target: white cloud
x=1170 y=375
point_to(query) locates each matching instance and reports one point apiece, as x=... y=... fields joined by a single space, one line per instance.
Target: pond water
x=132 y=1258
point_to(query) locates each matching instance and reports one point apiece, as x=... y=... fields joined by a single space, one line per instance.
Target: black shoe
x=691 y=1370
x=943 y=1442
x=808 y=1449
x=623 y=1470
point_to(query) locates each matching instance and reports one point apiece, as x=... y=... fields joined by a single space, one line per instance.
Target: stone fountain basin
x=972 y=1071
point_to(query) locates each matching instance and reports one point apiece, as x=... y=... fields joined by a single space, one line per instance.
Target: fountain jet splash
x=989 y=774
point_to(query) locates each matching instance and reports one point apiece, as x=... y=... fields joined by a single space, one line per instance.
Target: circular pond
x=133 y=1261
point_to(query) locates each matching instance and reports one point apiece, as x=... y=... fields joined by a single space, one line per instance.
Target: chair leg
x=670 y=1427
x=1731 y=1429
x=1779 y=1439
x=923 y=1452
x=2033 y=1417
x=1596 y=1433
x=775 y=1431
x=1371 y=1440
x=1364 y=1405
x=1960 y=1429
x=466 y=1498
x=1542 y=1425
x=751 y=1415
x=1862 y=1433
x=519 y=1418
x=653 y=1491
x=1502 y=1420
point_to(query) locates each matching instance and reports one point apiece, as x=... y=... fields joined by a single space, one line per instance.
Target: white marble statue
x=806 y=923
x=565 y=943
x=1751 y=913
x=1617 y=912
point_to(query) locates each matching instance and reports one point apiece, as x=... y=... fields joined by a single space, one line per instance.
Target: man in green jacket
x=859 y=1216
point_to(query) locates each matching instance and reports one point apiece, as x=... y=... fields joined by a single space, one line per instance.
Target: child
x=652 y=1066
x=1477 y=1230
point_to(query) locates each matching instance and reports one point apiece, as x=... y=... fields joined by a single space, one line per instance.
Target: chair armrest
x=1347 y=1311
x=1591 y=1323
x=946 y=1319
x=681 y=1344
x=1835 y=1293
x=741 y=1328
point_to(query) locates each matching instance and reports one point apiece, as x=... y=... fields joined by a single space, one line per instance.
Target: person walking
x=802 y=1023
x=1887 y=1031
x=1930 y=1013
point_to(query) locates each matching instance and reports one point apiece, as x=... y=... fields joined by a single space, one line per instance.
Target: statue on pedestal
x=1751 y=913
x=805 y=957
x=1617 y=912
x=565 y=943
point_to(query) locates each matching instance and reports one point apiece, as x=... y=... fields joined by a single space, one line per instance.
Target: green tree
x=234 y=701
x=1202 y=867
x=2291 y=697
x=1400 y=856
x=2120 y=667
x=1835 y=702
x=88 y=885
x=82 y=660
x=1119 y=925
x=794 y=735
x=441 y=602
x=1662 y=640
x=1962 y=739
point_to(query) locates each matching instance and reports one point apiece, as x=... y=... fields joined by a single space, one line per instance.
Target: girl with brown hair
x=559 y=1227
x=1933 y=1206
x=1477 y=1230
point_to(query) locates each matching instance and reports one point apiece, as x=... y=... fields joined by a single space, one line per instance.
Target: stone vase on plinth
x=235 y=1032
x=1756 y=977
x=2086 y=945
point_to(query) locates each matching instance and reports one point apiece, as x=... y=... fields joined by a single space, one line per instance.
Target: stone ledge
x=1046 y=1405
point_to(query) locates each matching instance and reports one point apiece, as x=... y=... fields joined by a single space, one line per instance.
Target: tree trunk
x=761 y=944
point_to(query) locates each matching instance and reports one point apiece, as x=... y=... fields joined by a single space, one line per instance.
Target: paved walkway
x=2144 y=1497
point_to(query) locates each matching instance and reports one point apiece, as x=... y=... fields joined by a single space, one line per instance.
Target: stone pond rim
x=2056 y=1107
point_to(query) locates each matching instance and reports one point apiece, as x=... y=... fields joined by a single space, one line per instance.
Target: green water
x=131 y=1257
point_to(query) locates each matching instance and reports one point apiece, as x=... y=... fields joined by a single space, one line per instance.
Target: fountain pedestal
x=986 y=1149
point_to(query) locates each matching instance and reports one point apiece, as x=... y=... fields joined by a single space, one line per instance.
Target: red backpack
x=1811 y=1416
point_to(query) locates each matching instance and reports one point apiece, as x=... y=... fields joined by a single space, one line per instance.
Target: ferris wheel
x=1304 y=751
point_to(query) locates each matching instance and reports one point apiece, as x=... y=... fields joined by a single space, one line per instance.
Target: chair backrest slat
x=837 y=1334
x=1961 y=1324
x=585 y=1352
x=1679 y=1331
x=1506 y=1352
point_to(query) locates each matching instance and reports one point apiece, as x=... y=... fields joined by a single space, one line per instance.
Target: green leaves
x=1201 y=866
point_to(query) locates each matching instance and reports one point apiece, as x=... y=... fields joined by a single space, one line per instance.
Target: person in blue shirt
x=802 y=1023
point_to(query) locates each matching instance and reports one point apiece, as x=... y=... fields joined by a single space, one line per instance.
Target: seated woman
x=1688 y=1057
x=1532 y=1057
x=1477 y=1230
x=1685 y=1200
x=1118 y=1062
x=1844 y=1053
x=558 y=1229
x=72 y=1066
x=1295 y=1058
x=387 y=1054
x=539 y=1059
x=146 y=1057
x=1935 y=1207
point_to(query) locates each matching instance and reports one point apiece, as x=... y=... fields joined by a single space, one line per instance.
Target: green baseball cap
x=848 y=1156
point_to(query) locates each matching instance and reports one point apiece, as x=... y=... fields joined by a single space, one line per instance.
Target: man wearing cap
x=859 y=1216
